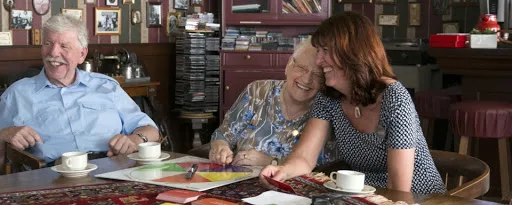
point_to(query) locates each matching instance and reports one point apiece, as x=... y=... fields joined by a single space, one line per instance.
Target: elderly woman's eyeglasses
x=317 y=76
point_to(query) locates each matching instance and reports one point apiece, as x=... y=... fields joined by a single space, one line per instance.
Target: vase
x=487 y=21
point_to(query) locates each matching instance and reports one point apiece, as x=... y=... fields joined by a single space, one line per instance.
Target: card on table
x=280 y=185
x=212 y=201
x=179 y=195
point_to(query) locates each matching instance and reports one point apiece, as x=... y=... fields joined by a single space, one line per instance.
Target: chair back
x=18 y=160
x=463 y=175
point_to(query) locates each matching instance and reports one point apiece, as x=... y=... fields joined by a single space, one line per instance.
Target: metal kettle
x=131 y=70
x=87 y=66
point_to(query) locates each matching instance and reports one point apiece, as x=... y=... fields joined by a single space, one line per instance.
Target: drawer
x=247 y=59
x=282 y=60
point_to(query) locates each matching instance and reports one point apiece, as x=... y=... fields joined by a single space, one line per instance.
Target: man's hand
x=20 y=137
x=220 y=152
x=252 y=157
x=122 y=144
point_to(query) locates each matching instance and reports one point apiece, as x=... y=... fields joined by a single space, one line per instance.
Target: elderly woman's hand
x=252 y=157
x=220 y=152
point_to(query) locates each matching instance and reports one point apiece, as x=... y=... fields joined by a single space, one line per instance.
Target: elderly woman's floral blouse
x=256 y=121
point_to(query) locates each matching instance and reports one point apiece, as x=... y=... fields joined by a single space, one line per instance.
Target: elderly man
x=65 y=109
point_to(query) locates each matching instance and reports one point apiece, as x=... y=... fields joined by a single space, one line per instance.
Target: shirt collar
x=42 y=81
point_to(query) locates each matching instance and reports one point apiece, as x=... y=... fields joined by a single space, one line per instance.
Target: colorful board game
x=172 y=173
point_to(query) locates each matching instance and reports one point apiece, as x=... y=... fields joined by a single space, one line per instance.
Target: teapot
x=487 y=21
x=131 y=70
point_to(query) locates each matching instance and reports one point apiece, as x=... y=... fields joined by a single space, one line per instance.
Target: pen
x=191 y=171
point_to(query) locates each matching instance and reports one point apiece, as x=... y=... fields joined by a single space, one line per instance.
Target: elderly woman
x=268 y=117
x=375 y=124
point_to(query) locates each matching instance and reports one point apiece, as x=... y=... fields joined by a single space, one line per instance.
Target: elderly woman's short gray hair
x=60 y=23
x=302 y=46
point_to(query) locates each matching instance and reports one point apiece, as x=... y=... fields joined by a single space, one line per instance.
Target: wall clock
x=8 y=4
x=41 y=7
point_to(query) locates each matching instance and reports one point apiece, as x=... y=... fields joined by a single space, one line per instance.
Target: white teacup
x=74 y=160
x=149 y=150
x=348 y=180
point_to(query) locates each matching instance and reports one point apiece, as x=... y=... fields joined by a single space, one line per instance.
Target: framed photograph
x=414 y=14
x=136 y=16
x=197 y=2
x=107 y=21
x=41 y=7
x=451 y=27
x=89 y=1
x=388 y=20
x=173 y=20
x=111 y=3
x=385 y=1
x=21 y=20
x=5 y=38
x=128 y=1
x=77 y=13
x=181 y=4
x=154 y=14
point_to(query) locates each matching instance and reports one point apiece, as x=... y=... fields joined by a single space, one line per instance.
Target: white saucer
x=135 y=156
x=74 y=173
x=366 y=190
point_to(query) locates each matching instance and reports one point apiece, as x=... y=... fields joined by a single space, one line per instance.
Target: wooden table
x=46 y=178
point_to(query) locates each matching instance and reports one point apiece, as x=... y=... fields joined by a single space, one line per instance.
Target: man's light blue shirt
x=82 y=117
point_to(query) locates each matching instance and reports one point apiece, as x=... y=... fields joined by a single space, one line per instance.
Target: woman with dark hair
x=373 y=118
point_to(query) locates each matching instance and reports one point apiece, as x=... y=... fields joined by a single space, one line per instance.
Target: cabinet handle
x=226 y=87
x=248 y=57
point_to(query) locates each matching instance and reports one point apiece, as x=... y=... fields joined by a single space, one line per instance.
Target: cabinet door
x=249 y=12
x=306 y=12
x=235 y=82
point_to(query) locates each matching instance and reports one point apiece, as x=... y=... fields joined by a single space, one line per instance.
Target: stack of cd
x=197 y=72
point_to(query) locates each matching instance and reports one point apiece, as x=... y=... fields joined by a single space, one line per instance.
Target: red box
x=449 y=40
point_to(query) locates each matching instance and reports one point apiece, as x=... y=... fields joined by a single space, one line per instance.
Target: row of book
x=301 y=6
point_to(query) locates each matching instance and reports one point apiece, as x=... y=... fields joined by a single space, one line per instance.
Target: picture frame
x=385 y=1
x=154 y=14
x=388 y=20
x=197 y=2
x=5 y=38
x=73 y=12
x=41 y=7
x=451 y=27
x=111 y=2
x=414 y=14
x=89 y=1
x=355 y=1
x=181 y=4
x=136 y=16
x=128 y=1
x=107 y=21
x=20 y=20
x=173 y=21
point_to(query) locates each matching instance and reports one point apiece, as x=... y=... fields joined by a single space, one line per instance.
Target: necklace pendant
x=357 y=112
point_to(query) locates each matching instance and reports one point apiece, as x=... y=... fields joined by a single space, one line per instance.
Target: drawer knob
x=226 y=87
x=248 y=57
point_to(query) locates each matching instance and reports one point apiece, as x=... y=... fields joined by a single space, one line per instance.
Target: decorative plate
x=41 y=7
x=8 y=4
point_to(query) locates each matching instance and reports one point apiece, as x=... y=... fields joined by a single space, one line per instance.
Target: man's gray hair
x=306 y=43
x=59 y=23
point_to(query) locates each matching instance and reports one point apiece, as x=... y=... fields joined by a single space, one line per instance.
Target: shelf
x=465 y=4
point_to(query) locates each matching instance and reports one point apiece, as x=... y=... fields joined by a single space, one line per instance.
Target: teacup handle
x=68 y=163
x=332 y=174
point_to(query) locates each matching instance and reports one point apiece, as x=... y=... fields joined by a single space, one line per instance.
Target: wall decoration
x=451 y=27
x=173 y=20
x=111 y=3
x=414 y=14
x=35 y=36
x=89 y=1
x=441 y=7
x=154 y=14
x=5 y=38
x=181 y=4
x=21 y=19
x=197 y=2
x=41 y=7
x=8 y=4
x=136 y=16
x=388 y=20
x=77 y=13
x=385 y=1
x=128 y=1
x=107 y=21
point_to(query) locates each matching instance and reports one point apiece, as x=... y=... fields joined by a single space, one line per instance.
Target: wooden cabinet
x=271 y=12
x=238 y=71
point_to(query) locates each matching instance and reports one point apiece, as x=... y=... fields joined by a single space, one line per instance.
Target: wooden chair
x=464 y=176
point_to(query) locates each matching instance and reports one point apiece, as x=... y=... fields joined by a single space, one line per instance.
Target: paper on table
x=278 y=198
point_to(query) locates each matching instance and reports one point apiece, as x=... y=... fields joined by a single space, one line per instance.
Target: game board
x=172 y=173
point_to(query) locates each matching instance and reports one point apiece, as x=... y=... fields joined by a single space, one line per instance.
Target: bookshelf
x=258 y=37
